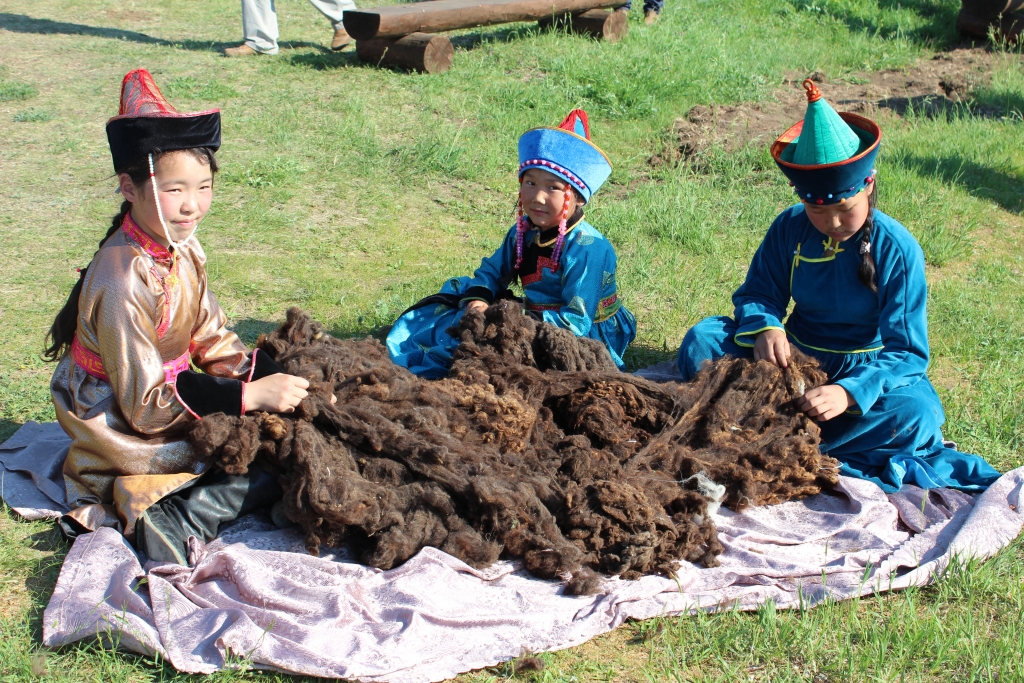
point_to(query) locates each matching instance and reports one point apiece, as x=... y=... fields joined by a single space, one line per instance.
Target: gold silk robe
x=137 y=316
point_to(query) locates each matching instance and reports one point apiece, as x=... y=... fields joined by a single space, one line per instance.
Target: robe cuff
x=477 y=293
x=747 y=333
x=203 y=394
x=263 y=366
x=863 y=395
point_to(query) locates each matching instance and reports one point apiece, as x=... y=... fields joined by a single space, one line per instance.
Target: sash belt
x=93 y=364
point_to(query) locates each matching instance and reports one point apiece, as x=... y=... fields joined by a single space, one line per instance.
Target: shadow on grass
x=640 y=355
x=1005 y=189
x=995 y=103
x=348 y=57
x=468 y=41
x=937 y=30
x=249 y=330
x=19 y=23
x=326 y=59
x=7 y=428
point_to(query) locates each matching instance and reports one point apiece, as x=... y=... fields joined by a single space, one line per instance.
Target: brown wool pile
x=534 y=447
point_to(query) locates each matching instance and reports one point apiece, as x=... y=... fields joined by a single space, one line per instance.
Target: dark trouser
x=655 y=5
x=216 y=498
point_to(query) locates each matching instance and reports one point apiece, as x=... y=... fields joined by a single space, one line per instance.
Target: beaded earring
x=562 y=226
x=520 y=228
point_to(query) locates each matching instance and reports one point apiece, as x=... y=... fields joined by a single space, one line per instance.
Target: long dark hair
x=866 y=271
x=66 y=323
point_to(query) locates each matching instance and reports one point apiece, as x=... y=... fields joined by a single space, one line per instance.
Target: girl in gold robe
x=144 y=349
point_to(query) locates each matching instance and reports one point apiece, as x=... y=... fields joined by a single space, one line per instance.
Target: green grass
x=352 y=192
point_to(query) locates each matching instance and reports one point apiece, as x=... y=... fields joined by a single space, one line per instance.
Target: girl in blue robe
x=857 y=282
x=566 y=267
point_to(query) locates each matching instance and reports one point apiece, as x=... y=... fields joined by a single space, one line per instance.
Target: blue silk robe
x=873 y=345
x=578 y=293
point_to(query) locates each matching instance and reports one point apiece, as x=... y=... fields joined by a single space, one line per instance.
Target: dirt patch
x=932 y=87
x=534 y=447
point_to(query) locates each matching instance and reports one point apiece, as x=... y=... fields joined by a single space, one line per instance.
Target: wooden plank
x=419 y=51
x=448 y=15
x=599 y=23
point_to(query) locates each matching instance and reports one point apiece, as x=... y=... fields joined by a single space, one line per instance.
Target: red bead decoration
x=821 y=201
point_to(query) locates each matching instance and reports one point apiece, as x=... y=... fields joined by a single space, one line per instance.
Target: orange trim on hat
x=793 y=133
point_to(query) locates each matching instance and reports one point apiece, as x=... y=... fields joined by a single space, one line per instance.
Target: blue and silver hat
x=567 y=152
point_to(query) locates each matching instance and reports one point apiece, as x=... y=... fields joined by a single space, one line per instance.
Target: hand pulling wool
x=535 y=447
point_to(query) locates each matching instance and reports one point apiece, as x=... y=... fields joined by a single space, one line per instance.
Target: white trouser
x=259 y=21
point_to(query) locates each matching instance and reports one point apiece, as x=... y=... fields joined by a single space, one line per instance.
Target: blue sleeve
x=495 y=273
x=902 y=296
x=583 y=269
x=762 y=299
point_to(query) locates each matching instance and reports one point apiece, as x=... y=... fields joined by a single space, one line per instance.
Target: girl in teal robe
x=859 y=306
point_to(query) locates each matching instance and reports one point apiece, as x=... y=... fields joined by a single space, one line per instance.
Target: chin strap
x=160 y=214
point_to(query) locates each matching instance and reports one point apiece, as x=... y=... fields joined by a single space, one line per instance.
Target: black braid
x=866 y=271
x=62 y=332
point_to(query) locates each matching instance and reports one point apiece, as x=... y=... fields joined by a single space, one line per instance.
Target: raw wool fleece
x=535 y=446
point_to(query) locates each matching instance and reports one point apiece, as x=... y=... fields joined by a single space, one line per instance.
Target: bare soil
x=932 y=87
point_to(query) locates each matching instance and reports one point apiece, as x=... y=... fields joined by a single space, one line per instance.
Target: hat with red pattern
x=146 y=123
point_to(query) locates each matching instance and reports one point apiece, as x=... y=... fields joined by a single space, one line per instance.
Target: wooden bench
x=403 y=35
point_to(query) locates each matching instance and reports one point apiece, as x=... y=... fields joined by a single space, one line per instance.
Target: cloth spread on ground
x=258 y=595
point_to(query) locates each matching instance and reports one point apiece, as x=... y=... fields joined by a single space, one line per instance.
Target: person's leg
x=652 y=9
x=217 y=498
x=625 y=8
x=899 y=440
x=259 y=23
x=709 y=340
x=333 y=10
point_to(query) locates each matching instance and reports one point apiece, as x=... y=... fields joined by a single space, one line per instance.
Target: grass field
x=353 y=191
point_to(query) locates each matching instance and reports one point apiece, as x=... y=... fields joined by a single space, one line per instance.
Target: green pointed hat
x=828 y=157
x=825 y=138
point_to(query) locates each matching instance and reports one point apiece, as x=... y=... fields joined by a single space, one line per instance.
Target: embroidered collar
x=548 y=236
x=831 y=247
x=156 y=250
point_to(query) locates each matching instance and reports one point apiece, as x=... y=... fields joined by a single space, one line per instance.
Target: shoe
x=650 y=16
x=163 y=530
x=242 y=50
x=341 y=39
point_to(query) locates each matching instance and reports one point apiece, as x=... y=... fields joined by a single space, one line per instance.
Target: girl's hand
x=278 y=393
x=772 y=346
x=825 y=402
x=476 y=305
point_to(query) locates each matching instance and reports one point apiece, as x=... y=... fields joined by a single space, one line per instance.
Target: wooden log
x=448 y=15
x=419 y=51
x=599 y=23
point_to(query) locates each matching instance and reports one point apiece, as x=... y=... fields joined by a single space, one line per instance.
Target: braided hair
x=866 y=271
x=62 y=332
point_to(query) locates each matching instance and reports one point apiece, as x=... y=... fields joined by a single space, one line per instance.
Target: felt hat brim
x=567 y=155
x=831 y=183
x=131 y=137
